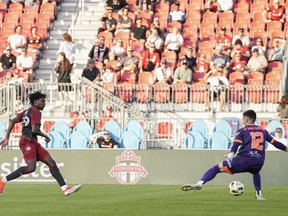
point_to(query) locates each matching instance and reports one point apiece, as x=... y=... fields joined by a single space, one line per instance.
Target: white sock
x=200 y=182
x=64 y=187
x=4 y=180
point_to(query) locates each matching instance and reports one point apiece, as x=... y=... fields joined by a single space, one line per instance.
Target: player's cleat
x=1 y=186
x=188 y=187
x=260 y=198
x=72 y=189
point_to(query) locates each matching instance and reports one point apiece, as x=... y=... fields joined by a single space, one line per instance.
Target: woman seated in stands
x=118 y=50
x=143 y=6
x=174 y=40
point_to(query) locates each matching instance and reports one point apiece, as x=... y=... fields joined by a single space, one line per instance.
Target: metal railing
x=78 y=8
x=140 y=100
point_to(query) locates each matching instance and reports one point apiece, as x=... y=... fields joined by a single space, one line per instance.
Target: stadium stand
x=57 y=140
x=260 y=91
x=129 y=140
x=77 y=140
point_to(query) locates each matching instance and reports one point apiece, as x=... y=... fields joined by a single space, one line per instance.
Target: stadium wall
x=165 y=167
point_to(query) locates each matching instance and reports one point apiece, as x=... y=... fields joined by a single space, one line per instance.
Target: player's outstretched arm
x=5 y=141
x=279 y=145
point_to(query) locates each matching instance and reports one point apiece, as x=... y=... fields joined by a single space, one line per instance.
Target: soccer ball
x=236 y=188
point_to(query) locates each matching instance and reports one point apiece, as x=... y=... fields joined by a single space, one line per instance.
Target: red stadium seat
x=254 y=91
x=236 y=93
x=125 y=92
x=161 y=93
x=164 y=130
x=272 y=91
x=198 y=92
x=236 y=78
x=180 y=93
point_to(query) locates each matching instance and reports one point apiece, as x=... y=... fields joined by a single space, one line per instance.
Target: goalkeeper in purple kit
x=249 y=144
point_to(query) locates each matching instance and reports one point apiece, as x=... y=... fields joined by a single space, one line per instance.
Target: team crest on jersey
x=128 y=169
x=28 y=148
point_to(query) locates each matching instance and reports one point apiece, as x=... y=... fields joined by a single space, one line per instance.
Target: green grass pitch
x=21 y=199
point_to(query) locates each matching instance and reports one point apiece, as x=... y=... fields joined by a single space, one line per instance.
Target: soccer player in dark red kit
x=31 y=149
x=250 y=157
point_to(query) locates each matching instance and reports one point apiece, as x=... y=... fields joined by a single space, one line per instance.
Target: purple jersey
x=252 y=143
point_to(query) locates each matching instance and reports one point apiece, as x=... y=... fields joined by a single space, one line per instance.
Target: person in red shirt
x=32 y=150
x=202 y=65
x=237 y=64
x=104 y=119
x=150 y=59
x=222 y=39
x=276 y=12
x=242 y=50
x=34 y=41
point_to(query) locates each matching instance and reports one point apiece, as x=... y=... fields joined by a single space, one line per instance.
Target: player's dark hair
x=36 y=96
x=251 y=114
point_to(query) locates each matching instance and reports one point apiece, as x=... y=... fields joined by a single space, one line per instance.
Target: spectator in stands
x=91 y=72
x=212 y=6
x=176 y=15
x=240 y=35
x=108 y=23
x=63 y=71
x=155 y=39
x=238 y=65
x=220 y=61
x=108 y=76
x=24 y=65
x=68 y=47
x=218 y=83
x=34 y=41
x=31 y=3
x=183 y=74
x=7 y=62
x=116 y=5
x=105 y=118
x=242 y=50
x=118 y=50
x=17 y=41
x=124 y=23
x=276 y=12
x=163 y=74
x=277 y=51
x=282 y=108
x=202 y=65
x=144 y=6
x=257 y=63
x=278 y=137
x=103 y=140
x=223 y=39
x=99 y=51
x=174 y=40
x=191 y=59
x=156 y=25
x=226 y=5
x=129 y=63
x=138 y=32
x=260 y=45
x=150 y=59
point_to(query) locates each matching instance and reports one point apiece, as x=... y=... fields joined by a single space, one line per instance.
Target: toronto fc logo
x=128 y=169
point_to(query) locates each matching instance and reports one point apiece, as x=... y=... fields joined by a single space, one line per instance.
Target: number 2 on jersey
x=257 y=138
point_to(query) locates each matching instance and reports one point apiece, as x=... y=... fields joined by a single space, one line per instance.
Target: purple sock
x=257 y=182
x=210 y=174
